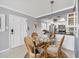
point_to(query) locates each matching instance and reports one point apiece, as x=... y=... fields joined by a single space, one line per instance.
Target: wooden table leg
x=46 y=52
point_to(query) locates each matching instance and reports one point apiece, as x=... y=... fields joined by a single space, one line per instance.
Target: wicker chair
x=55 y=50
x=29 y=44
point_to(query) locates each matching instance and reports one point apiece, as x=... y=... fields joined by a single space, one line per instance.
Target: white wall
x=4 y=36
x=36 y=7
x=30 y=24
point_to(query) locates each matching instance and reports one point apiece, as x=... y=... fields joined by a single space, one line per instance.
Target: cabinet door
x=69 y=42
x=71 y=19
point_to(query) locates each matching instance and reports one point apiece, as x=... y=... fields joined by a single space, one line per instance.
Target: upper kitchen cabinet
x=62 y=4
x=71 y=21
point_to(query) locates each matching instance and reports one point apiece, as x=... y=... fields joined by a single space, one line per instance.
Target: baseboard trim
x=4 y=50
x=9 y=49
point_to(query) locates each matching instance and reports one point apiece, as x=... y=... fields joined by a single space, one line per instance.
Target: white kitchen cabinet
x=68 y=41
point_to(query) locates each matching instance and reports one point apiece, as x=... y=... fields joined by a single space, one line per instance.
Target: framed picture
x=2 y=22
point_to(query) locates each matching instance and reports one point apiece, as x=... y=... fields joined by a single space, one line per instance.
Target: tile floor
x=19 y=52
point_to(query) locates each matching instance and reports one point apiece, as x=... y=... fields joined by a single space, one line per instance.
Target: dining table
x=44 y=44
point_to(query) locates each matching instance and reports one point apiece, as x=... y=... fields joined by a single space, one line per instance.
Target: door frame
x=9 y=32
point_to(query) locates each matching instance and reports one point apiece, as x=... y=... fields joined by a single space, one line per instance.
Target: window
x=48 y=24
x=43 y=26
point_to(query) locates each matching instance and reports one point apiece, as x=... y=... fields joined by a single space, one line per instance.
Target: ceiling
x=36 y=8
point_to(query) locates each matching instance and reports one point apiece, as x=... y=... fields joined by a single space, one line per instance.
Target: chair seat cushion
x=52 y=49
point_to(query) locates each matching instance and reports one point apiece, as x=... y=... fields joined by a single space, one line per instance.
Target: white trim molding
x=37 y=16
x=71 y=7
x=3 y=6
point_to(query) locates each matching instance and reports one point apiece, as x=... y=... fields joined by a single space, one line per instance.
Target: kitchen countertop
x=64 y=33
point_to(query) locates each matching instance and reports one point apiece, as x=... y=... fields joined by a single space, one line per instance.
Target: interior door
x=23 y=28
x=17 y=30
